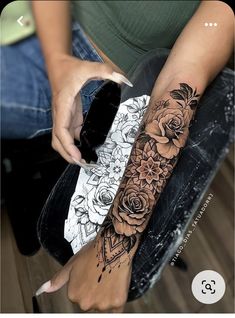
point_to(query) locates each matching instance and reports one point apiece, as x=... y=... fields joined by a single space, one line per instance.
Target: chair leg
x=36 y=308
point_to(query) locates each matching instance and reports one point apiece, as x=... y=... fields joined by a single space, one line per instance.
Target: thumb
x=58 y=281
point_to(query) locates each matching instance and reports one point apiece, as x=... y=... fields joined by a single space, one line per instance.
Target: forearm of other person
x=53 y=24
x=67 y=74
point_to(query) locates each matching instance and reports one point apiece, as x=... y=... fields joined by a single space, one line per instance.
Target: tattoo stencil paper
x=158 y=135
x=96 y=189
x=162 y=134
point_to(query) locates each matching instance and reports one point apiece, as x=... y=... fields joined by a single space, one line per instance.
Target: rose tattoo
x=162 y=134
x=131 y=209
x=170 y=130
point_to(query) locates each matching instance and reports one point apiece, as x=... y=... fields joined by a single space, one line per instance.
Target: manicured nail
x=122 y=78
x=86 y=166
x=43 y=288
x=77 y=161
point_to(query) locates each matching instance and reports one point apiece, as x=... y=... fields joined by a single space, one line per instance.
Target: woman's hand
x=81 y=273
x=67 y=75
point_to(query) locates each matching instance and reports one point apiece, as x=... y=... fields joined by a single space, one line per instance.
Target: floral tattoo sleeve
x=162 y=135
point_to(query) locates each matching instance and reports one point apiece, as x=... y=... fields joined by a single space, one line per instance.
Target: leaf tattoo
x=186 y=94
x=161 y=136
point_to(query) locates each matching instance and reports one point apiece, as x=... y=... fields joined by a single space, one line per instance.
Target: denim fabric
x=25 y=89
x=210 y=136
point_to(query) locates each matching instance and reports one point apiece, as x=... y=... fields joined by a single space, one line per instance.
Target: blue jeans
x=25 y=89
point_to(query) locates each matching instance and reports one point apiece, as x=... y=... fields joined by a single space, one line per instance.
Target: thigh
x=25 y=90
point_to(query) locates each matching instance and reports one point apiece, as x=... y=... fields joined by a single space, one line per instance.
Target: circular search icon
x=208 y=287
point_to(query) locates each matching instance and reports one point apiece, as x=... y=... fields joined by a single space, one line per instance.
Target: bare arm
x=67 y=74
x=201 y=49
x=198 y=55
x=53 y=23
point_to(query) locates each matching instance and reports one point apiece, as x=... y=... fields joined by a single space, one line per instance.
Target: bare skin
x=106 y=59
x=67 y=74
x=81 y=287
x=192 y=61
x=66 y=81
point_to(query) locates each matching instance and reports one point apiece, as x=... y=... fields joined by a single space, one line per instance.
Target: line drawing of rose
x=99 y=200
x=131 y=209
x=138 y=107
x=111 y=159
x=125 y=134
x=170 y=129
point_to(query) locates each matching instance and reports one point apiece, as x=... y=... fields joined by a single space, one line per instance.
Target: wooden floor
x=210 y=247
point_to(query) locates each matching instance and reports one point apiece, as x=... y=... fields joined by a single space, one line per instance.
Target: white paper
x=96 y=189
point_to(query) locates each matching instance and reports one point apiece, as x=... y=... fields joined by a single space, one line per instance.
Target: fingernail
x=122 y=78
x=43 y=288
x=76 y=161
x=86 y=166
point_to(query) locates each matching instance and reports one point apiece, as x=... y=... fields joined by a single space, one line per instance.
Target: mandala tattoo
x=162 y=135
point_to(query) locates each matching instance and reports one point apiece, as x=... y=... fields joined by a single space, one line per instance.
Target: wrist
x=114 y=249
x=53 y=60
x=59 y=66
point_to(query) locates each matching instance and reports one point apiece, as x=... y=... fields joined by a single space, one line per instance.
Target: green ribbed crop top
x=125 y=30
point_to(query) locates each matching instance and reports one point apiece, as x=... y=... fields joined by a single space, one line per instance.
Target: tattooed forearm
x=162 y=135
x=113 y=248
